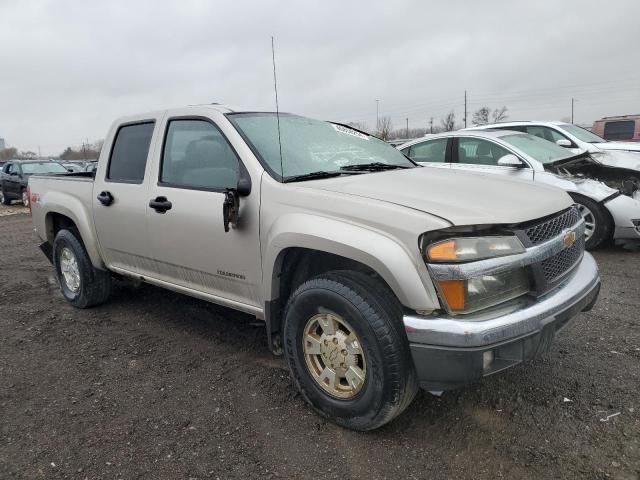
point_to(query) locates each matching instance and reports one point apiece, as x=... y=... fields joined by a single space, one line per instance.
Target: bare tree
x=449 y=122
x=384 y=128
x=481 y=116
x=500 y=114
x=8 y=154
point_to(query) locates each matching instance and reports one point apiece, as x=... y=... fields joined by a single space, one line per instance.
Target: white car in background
x=566 y=135
x=608 y=196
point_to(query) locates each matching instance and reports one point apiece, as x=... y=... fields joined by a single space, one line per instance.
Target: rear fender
x=71 y=207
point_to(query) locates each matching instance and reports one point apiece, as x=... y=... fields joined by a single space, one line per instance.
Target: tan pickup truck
x=372 y=274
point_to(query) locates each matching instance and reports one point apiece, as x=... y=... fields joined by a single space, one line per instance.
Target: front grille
x=555 y=267
x=546 y=274
x=552 y=228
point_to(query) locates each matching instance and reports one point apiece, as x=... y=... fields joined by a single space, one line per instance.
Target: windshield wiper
x=371 y=167
x=312 y=176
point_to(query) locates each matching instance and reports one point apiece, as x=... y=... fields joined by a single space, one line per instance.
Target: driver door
x=191 y=249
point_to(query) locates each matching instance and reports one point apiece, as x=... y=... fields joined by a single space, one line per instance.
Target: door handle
x=160 y=204
x=105 y=198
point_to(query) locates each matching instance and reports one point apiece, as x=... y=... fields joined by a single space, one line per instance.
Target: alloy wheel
x=589 y=221
x=334 y=355
x=69 y=269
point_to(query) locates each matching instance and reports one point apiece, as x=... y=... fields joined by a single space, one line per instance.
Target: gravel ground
x=156 y=385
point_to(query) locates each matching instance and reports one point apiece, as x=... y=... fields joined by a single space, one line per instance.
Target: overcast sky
x=69 y=68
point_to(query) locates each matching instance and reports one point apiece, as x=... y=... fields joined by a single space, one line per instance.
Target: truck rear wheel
x=81 y=283
x=346 y=349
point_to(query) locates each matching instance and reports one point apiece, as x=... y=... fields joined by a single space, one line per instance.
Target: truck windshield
x=314 y=147
x=42 y=167
x=537 y=148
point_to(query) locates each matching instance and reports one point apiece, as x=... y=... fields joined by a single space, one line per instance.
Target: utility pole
x=465 y=109
x=431 y=125
x=407 y=127
x=377 y=115
x=39 y=152
x=572 y=102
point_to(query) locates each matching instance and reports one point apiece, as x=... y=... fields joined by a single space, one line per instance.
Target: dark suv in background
x=15 y=177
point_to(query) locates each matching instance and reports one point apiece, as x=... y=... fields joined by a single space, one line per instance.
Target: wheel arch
x=57 y=220
x=318 y=245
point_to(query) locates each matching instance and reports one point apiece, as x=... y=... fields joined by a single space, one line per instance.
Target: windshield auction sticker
x=348 y=131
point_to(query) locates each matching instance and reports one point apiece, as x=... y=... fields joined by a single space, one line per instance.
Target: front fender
x=593 y=189
x=403 y=270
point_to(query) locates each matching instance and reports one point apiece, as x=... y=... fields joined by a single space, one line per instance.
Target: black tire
x=5 y=200
x=602 y=224
x=376 y=317
x=94 y=286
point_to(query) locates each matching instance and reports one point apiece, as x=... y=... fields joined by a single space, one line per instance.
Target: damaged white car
x=608 y=195
x=566 y=135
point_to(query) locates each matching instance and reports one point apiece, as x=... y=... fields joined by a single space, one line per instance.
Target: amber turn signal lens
x=454 y=293
x=443 y=251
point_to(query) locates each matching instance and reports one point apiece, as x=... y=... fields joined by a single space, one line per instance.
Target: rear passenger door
x=481 y=155
x=196 y=165
x=120 y=197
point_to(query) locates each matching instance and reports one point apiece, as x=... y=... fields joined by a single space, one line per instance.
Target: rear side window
x=622 y=130
x=196 y=155
x=129 y=154
x=433 y=151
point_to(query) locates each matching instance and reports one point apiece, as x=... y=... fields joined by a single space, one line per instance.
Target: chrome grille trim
x=543 y=231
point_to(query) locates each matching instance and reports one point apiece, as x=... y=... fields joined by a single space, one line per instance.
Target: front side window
x=477 y=151
x=303 y=146
x=622 y=130
x=129 y=154
x=546 y=133
x=432 y=151
x=537 y=148
x=197 y=155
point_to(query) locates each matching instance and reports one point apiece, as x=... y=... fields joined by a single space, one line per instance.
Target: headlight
x=465 y=249
x=466 y=296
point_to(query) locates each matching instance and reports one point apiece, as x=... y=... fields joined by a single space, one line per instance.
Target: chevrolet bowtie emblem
x=569 y=239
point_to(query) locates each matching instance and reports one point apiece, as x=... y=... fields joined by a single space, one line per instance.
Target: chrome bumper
x=522 y=318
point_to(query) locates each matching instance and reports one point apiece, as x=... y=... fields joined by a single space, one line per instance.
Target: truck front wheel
x=81 y=283
x=346 y=349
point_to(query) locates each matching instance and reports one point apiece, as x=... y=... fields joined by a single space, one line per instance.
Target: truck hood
x=460 y=197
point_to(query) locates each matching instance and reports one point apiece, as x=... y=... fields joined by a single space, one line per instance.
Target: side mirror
x=510 y=160
x=231 y=205
x=563 y=142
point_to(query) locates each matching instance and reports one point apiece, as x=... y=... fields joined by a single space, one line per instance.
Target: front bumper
x=624 y=211
x=449 y=351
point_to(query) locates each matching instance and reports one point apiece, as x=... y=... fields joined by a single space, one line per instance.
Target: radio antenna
x=275 y=88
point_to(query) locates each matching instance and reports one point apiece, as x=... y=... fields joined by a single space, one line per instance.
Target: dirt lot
x=157 y=385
